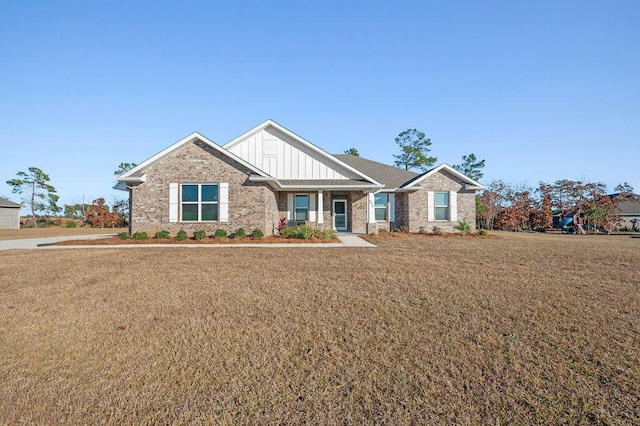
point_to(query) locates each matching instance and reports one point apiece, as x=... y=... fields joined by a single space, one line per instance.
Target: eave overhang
x=278 y=185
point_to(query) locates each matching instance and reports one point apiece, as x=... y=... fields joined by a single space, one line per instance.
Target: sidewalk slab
x=48 y=243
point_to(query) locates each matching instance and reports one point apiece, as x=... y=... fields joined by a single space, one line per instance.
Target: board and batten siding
x=283 y=159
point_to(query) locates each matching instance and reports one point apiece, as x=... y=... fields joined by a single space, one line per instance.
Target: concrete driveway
x=32 y=243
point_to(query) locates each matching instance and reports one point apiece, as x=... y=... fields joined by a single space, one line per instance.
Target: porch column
x=320 y=208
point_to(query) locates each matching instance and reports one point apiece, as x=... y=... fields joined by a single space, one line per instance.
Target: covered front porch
x=341 y=210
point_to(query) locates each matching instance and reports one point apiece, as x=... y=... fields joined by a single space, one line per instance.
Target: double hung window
x=380 y=205
x=302 y=208
x=442 y=205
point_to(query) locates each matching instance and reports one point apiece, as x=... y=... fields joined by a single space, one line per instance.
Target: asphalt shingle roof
x=6 y=203
x=628 y=204
x=391 y=177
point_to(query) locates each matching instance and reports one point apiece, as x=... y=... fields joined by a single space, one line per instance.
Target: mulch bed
x=408 y=235
x=112 y=241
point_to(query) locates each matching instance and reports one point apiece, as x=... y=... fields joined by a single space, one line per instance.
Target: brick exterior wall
x=9 y=218
x=256 y=205
x=402 y=211
x=416 y=215
x=251 y=205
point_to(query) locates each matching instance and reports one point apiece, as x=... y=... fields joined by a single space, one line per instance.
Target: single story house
x=269 y=173
x=9 y=214
x=629 y=210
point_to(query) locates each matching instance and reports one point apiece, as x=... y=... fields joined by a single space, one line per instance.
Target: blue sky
x=541 y=90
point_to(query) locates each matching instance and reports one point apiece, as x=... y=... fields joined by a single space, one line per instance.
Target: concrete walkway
x=46 y=243
x=352 y=240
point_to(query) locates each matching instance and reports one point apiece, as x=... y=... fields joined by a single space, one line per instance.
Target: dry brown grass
x=54 y=231
x=519 y=329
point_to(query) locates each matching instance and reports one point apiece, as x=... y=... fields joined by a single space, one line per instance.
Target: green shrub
x=70 y=224
x=257 y=234
x=318 y=233
x=181 y=235
x=163 y=235
x=220 y=233
x=463 y=226
x=329 y=234
x=288 y=233
x=240 y=232
x=198 y=235
x=124 y=235
x=483 y=232
x=304 y=232
x=140 y=236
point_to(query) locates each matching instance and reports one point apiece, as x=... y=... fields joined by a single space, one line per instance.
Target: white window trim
x=436 y=206
x=199 y=203
x=380 y=207
x=295 y=208
x=392 y=207
x=174 y=202
x=453 y=206
x=431 y=211
x=346 y=213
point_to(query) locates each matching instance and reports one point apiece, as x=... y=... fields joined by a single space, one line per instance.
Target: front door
x=340 y=215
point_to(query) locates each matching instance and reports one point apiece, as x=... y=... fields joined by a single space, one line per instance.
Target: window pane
x=302 y=202
x=189 y=212
x=381 y=213
x=209 y=212
x=442 y=213
x=301 y=215
x=442 y=199
x=339 y=207
x=381 y=200
x=209 y=192
x=189 y=192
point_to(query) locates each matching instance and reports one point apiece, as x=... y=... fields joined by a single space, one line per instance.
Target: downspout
x=130 y=190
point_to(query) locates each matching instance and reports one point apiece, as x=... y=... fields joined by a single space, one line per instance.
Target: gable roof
x=137 y=173
x=321 y=153
x=628 y=203
x=392 y=177
x=9 y=204
x=469 y=183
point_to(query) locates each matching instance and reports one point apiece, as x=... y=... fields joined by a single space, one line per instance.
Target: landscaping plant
x=463 y=226
x=163 y=235
x=257 y=234
x=220 y=233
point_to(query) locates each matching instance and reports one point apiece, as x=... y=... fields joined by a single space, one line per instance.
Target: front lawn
x=515 y=329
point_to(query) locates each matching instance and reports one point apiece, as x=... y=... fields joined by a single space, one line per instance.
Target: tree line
x=41 y=197
x=520 y=207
